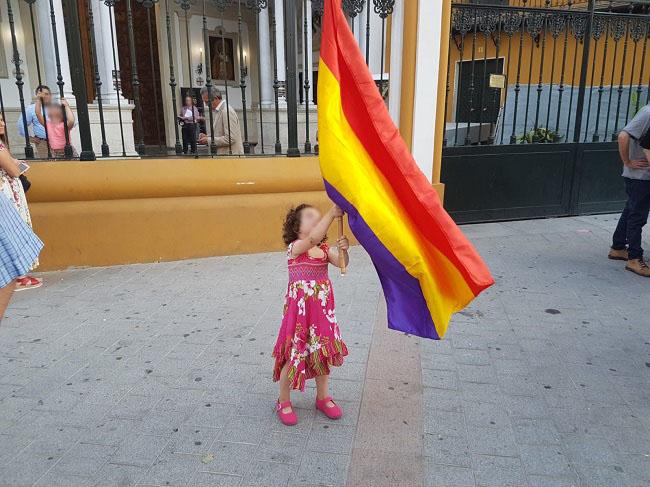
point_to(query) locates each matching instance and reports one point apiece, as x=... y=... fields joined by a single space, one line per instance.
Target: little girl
x=309 y=341
x=56 y=127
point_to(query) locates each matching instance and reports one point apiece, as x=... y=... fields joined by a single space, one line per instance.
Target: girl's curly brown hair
x=291 y=225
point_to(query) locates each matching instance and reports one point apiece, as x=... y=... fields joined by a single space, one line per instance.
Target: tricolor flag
x=428 y=269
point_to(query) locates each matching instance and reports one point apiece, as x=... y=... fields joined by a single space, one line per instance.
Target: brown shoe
x=638 y=266
x=617 y=254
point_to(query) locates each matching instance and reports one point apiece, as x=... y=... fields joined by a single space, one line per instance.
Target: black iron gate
x=537 y=92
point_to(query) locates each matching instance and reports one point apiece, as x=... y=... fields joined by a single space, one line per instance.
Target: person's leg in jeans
x=619 y=240
x=637 y=216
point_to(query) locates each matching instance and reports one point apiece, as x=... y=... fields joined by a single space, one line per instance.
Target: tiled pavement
x=158 y=375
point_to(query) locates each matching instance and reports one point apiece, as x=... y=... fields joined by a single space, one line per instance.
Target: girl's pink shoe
x=287 y=419
x=334 y=412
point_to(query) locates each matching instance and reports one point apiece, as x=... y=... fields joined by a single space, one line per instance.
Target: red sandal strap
x=286 y=404
x=325 y=400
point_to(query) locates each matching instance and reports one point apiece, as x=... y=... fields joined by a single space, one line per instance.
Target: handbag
x=25 y=182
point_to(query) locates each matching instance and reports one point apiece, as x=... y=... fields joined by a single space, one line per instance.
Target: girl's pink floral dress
x=309 y=337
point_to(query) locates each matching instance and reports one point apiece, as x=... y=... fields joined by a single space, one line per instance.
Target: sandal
x=28 y=282
x=332 y=412
x=287 y=419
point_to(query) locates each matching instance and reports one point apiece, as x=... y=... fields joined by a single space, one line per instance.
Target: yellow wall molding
x=409 y=59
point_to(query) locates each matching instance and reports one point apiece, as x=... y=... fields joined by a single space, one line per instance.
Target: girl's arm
x=342 y=244
x=69 y=115
x=9 y=164
x=38 y=109
x=317 y=234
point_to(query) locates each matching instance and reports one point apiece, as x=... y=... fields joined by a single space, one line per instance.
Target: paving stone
x=447 y=450
x=54 y=478
x=449 y=476
x=536 y=432
x=85 y=459
x=441 y=400
x=112 y=475
x=597 y=476
x=195 y=440
x=245 y=429
x=547 y=481
x=172 y=469
x=445 y=422
x=544 y=460
x=269 y=474
x=494 y=471
x=486 y=414
x=139 y=450
x=440 y=379
x=331 y=437
x=590 y=450
x=230 y=458
x=282 y=447
x=325 y=468
x=208 y=479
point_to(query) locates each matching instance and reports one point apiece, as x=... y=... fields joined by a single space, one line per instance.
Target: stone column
x=105 y=47
x=49 y=48
x=42 y=9
x=426 y=83
x=280 y=33
x=310 y=53
x=266 y=59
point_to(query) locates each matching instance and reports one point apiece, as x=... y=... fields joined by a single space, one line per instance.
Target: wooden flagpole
x=342 y=253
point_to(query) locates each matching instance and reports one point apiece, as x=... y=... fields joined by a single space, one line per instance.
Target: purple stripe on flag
x=407 y=309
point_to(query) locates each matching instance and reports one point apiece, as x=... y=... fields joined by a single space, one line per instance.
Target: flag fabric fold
x=427 y=268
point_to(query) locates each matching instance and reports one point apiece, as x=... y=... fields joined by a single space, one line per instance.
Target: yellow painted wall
x=120 y=212
x=133 y=211
x=531 y=52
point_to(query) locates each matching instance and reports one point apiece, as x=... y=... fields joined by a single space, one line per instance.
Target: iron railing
x=139 y=73
x=545 y=71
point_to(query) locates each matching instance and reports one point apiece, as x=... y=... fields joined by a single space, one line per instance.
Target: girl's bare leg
x=285 y=387
x=5 y=296
x=322 y=388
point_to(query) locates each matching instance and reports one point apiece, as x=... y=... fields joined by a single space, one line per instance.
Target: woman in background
x=189 y=117
x=12 y=188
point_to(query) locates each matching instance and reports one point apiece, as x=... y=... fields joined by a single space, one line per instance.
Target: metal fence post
x=290 y=19
x=580 y=103
x=78 y=77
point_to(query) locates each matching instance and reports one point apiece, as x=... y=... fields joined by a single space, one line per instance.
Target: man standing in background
x=39 y=137
x=225 y=124
x=626 y=243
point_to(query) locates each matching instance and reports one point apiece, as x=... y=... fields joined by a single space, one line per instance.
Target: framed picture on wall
x=222 y=57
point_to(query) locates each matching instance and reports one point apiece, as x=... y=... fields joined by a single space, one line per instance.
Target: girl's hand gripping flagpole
x=343 y=254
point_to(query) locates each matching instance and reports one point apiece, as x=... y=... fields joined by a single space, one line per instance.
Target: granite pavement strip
x=158 y=375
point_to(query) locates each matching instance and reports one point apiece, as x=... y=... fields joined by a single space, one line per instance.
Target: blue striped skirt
x=19 y=246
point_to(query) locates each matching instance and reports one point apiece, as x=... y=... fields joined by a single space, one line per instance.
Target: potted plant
x=540 y=135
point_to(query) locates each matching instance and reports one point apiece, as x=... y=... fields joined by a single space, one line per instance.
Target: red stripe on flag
x=368 y=116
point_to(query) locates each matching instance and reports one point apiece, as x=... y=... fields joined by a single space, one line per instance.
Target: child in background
x=309 y=341
x=56 y=127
